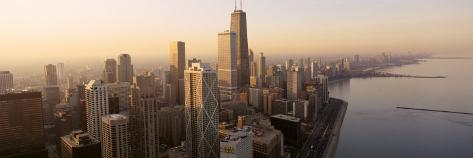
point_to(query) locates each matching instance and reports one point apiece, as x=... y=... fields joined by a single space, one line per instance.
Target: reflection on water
x=340 y=88
x=373 y=127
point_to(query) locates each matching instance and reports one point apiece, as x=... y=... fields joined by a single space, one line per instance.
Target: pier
x=387 y=74
x=433 y=110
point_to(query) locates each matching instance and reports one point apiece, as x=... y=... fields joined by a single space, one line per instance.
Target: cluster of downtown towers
x=196 y=85
x=193 y=84
x=119 y=113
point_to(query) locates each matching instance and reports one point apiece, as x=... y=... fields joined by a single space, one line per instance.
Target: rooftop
x=115 y=117
x=286 y=117
x=78 y=138
x=235 y=134
x=264 y=134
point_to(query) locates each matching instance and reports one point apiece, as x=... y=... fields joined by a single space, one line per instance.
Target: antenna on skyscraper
x=235 y=4
x=241 y=4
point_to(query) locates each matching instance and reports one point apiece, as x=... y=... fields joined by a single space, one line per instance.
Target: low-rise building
x=236 y=143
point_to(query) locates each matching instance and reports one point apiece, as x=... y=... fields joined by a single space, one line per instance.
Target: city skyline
x=144 y=28
x=244 y=99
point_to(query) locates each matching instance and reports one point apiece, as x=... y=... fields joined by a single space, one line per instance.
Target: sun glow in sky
x=43 y=31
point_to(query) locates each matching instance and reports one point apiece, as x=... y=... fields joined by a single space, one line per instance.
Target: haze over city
x=38 y=32
x=236 y=79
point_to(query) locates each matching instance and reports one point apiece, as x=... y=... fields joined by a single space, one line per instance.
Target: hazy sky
x=51 y=31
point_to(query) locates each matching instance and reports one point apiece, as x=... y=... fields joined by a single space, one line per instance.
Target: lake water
x=373 y=127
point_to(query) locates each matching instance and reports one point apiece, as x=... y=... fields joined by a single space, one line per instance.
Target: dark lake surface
x=373 y=127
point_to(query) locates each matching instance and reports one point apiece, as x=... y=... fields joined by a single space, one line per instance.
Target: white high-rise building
x=294 y=82
x=236 y=143
x=6 y=81
x=50 y=75
x=201 y=111
x=120 y=90
x=227 y=64
x=96 y=100
x=144 y=120
x=115 y=136
x=124 y=68
x=314 y=70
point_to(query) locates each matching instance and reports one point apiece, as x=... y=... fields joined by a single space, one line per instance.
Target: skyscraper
x=52 y=97
x=120 y=90
x=201 y=111
x=124 y=68
x=356 y=59
x=177 y=63
x=323 y=80
x=314 y=70
x=110 y=71
x=144 y=120
x=238 y=25
x=50 y=75
x=115 y=136
x=96 y=106
x=171 y=125
x=21 y=125
x=60 y=73
x=261 y=70
x=294 y=82
x=79 y=144
x=6 y=81
x=289 y=63
x=227 y=64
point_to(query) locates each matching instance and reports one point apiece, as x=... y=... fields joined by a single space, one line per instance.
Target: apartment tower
x=201 y=111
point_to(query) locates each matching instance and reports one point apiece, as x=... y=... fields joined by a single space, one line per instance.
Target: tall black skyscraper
x=238 y=25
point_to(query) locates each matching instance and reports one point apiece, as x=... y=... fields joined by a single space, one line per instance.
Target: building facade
x=115 y=136
x=96 y=100
x=6 y=81
x=79 y=144
x=290 y=127
x=171 y=125
x=236 y=143
x=267 y=142
x=21 y=124
x=227 y=64
x=124 y=68
x=177 y=65
x=201 y=111
x=294 y=82
x=120 y=90
x=110 y=71
x=50 y=75
x=238 y=25
x=144 y=120
x=261 y=70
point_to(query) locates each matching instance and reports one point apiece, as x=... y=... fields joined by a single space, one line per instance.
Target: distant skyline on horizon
x=51 y=31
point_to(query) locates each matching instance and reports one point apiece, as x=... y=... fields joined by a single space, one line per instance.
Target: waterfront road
x=318 y=140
